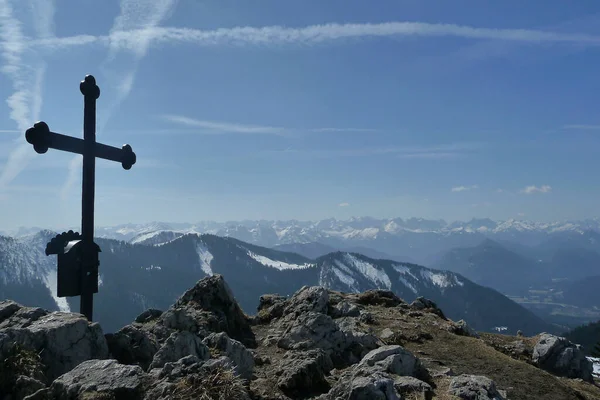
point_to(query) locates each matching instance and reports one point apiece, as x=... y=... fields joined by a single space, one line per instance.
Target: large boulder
x=474 y=387
x=63 y=340
x=393 y=359
x=105 y=377
x=559 y=356
x=211 y=303
x=308 y=299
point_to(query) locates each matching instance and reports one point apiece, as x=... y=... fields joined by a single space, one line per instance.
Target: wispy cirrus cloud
x=216 y=127
x=464 y=188
x=139 y=39
x=535 y=189
x=26 y=76
x=344 y=204
x=221 y=127
x=135 y=16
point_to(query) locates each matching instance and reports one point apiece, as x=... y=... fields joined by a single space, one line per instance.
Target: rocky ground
x=317 y=344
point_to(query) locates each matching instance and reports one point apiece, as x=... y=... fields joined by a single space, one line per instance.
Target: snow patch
x=440 y=279
x=280 y=265
x=51 y=282
x=344 y=277
x=205 y=258
x=408 y=284
x=596 y=362
x=403 y=270
x=377 y=276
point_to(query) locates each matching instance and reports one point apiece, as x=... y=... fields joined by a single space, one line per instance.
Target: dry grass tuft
x=18 y=362
x=219 y=384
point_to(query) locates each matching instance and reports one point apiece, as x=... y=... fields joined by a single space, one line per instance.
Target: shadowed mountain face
x=492 y=265
x=137 y=277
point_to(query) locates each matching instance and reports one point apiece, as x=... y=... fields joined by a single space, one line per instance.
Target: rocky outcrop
x=100 y=376
x=316 y=344
x=62 y=340
x=561 y=357
x=179 y=345
x=236 y=352
x=215 y=309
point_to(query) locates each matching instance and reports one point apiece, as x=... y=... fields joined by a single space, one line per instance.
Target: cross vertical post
x=91 y=92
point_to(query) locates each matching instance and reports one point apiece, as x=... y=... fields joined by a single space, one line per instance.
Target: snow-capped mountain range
x=415 y=239
x=134 y=277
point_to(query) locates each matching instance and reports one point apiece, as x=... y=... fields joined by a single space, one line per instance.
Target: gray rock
x=394 y=359
x=270 y=306
x=63 y=341
x=22 y=317
x=304 y=373
x=241 y=357
x=148 y=315
x=345 y=309
x=462 y=328
x=179 y=345
x=212 y=304
x=103 y=376
x=561 y=357
x=308 y=331
x=308 y=299
x=8 y=308
x=26 y=386
x=408 y=385
x=192 y=378
x=343 y=339
x=474 y=387
x=421 y=303
x=386 y=334
x=376 y=386
x=132 y=345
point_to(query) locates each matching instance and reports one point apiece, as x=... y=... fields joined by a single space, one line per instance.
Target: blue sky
x=305 y=109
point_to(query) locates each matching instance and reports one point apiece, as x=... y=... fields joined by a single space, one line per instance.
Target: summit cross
x=78 y=269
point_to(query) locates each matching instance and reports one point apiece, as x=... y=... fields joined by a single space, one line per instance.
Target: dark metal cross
x=80 y=257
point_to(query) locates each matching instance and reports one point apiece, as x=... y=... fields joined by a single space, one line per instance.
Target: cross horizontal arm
x=42 y=139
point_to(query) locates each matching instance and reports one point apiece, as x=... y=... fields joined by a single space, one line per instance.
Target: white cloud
x=141 y=37
x=222 y=127
x=534 y=189
x=344 y=204
x=26 y=101
x=464 y=188
x=137 y=16
x=218 y=127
